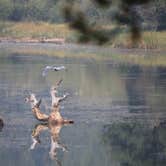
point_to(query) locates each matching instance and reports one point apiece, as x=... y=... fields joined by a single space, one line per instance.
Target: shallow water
x=119 y=112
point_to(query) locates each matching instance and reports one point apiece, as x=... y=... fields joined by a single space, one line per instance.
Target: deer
x=55 y=115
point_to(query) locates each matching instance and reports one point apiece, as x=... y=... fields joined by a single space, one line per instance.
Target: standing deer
x=55 y=116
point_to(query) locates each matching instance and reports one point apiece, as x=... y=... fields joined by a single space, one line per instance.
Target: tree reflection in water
x=135 y=144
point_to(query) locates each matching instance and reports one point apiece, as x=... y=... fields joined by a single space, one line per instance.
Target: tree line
x=152 y=14
x=86 y=15
x=30 y=10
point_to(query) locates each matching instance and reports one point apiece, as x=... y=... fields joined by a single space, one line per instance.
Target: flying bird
x=53 y=68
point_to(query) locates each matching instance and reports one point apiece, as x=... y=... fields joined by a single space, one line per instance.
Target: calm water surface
x=119 y=112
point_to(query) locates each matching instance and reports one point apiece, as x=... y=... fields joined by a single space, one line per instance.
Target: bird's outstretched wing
x=45 y=70
x=53 y=68
x=44 y=73
x=57 y=68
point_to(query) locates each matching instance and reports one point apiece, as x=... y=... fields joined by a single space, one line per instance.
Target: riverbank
x=42 y=32
x=32 y=40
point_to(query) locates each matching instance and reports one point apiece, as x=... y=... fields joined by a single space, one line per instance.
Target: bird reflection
x=56 y=144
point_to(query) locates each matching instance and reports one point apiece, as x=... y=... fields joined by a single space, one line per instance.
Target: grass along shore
x=37 y=31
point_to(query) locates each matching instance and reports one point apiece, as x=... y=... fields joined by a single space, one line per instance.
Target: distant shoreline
x=30 y=40
x=44 y=32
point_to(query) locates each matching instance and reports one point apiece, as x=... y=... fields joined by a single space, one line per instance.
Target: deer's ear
x=38 y=103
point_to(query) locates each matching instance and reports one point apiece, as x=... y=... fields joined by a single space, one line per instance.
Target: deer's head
x=33 y=101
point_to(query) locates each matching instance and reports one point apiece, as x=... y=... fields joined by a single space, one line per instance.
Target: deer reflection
x=56 y=144
x=55 y=140
x=35 y=134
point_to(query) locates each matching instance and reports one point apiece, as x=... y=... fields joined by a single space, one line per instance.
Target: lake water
x=119 y=111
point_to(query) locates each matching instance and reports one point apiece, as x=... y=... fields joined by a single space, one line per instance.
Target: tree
x=123 y=12
x=5 y=9
x=153 y=15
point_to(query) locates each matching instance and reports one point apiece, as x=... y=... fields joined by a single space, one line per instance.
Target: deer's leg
x=35 y=134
